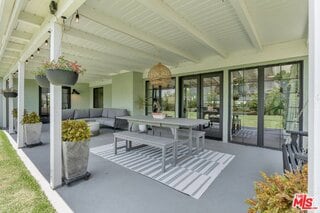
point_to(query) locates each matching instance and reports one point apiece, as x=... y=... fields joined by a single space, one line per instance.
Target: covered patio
x=242 y=69
x=117 y=189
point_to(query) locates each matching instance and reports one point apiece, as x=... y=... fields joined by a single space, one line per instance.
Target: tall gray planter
x=42 y=81
x=75 y=156
x=32 y=133
x=62 y=77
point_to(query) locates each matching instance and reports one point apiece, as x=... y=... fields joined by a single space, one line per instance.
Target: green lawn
x=19 y=191
x=270 y=121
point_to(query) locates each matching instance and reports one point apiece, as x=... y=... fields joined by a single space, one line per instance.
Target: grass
x=270 y=121
x=19 y=191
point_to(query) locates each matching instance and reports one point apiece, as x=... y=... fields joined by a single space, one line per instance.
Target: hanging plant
x=9 y=93
x=41 y=78
x=62 y=71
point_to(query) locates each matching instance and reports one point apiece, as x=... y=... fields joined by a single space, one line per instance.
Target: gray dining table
x=173 y=123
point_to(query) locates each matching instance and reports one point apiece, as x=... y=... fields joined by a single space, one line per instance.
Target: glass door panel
x=190 y=98
x=244 y=106
x=282 y=103
x=211 y=106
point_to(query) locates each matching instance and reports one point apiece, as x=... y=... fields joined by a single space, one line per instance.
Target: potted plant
x=41 y=78
x=75 y=149
x=275 y=193
x=62 y=71
x=9 y=93
x=32 y=129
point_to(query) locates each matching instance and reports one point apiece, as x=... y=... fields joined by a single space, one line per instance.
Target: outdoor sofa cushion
x=105 y=112
x=81 y=113
x=67 y=114
x=112 y=113
x=96 y=112
x=108 y=122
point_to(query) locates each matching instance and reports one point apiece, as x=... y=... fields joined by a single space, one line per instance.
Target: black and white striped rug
x=192 y=175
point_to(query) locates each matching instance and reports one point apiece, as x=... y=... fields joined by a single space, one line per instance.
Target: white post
x=55 y=113
x=225 y=128
x=21 y=72
x=314 y=102
x=4 y=105
x=10 y=106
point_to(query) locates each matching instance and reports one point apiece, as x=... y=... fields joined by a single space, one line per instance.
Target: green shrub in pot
x=31 y=129
x=275 y=193
x=75 y=148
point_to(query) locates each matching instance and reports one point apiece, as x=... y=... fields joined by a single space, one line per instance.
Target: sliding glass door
x=201 y=97
x=265 y=103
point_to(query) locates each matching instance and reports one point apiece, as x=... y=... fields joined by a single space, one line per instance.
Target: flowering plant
x=39 y=72
x=63 y=64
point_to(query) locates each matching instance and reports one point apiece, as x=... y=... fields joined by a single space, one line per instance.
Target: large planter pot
x=10 y=94
x=62 y=77
x=75 y=156
x=42 y=81
x=32 y=133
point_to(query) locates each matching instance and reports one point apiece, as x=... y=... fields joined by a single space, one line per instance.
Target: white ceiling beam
x=11 y=25
x=88 y=60
x=109 y=44
x=30 y=19
x=242 y=12
x=20 y=35
x=165 y=11
x=66 y=8
x=99 y=54
x=15 y=46
x=11 y=54
x=8 y=60
x=118 y=25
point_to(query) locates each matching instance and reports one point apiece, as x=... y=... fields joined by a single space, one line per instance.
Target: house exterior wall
x=81 y=101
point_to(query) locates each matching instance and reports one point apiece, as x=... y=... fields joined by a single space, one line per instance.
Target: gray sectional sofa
x=105 y=116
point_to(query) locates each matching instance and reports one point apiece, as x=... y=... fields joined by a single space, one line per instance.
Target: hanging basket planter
x=42 y=81
x=62 y=72
x=62 y=77
x=9 y=93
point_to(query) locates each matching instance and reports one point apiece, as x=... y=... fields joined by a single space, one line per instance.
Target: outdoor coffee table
x=94 y=127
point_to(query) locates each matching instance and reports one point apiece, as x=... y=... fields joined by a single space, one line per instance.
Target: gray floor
x=113 y=188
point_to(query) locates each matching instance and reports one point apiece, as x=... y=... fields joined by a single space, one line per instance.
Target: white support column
x=10 y=106
x=314 y=102
x=55 y=113
x=4 y=105
x=21 y=73
x=225 y=128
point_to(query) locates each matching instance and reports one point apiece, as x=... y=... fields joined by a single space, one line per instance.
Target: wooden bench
x=150 y=140
x=198 y=136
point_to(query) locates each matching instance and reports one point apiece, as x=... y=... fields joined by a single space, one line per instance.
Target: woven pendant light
x=159 y=76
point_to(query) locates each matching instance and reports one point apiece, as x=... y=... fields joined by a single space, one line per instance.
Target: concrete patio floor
x=113 y=188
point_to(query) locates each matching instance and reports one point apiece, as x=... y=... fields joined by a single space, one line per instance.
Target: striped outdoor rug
x=192 y=176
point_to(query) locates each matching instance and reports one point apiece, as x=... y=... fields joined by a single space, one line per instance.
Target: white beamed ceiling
x=132 y=35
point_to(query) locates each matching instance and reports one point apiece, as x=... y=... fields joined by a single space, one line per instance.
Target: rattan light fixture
x=159 y=76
